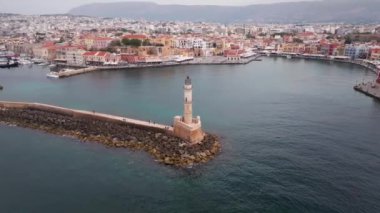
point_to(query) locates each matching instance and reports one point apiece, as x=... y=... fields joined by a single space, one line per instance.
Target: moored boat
x=6 y=62
x=52 y=75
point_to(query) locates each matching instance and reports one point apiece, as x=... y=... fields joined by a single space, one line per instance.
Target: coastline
x=218 y=61
x=369 y=89
x=361 y=63
x=159 y=143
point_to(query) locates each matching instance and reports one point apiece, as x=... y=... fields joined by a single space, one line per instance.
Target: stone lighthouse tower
x=188 y=102
x=187 y=127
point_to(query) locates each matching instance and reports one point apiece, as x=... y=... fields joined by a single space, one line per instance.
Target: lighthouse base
x=192 y=133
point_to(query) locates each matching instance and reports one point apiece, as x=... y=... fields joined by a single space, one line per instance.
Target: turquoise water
x=296 y=138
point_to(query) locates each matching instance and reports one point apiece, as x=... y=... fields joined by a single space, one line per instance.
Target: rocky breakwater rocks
x=165 y=148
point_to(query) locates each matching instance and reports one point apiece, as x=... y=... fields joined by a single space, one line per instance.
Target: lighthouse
x=188 y=101
x=187 y=127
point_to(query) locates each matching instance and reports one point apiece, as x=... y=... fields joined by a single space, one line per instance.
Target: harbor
x=264 y=134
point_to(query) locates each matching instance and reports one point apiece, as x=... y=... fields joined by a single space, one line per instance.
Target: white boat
x=52 y=75
x=38 y=61
x=24 y=62
x=44 y=64
x=289 y=57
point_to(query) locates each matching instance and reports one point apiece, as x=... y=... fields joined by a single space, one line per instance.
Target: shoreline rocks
x=165 y=148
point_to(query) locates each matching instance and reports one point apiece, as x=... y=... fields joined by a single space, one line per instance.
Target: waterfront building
x=375 y=53
x=356 y=51
x=187 y=127
x=46 y=51
x=95 y=57
x=75 y=57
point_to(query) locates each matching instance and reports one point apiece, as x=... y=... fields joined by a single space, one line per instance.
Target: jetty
x=370 y=89
x=183 y=145
x=216 y=60
x=113 y=131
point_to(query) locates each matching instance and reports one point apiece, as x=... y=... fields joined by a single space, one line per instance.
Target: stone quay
x=183 y=145
x=371 y=89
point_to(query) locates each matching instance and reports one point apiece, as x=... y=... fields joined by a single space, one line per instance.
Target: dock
x=158 y=140
x=87 y=114
x=217 y=60
x=370 y=89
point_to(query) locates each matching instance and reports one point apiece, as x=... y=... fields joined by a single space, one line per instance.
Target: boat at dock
x=38 y=61
x=24 y=62
x=6 y=62
x=44 y=64
x=52 y=75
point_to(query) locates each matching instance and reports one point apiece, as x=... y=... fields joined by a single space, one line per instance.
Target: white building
x=75 y=57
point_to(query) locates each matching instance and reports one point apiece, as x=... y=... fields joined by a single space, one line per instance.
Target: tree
x=125 y=41
x=297 y=40
x=132 y=42
x=115 y=43
x=348 y=40
x=135 y=42
x=146 y=42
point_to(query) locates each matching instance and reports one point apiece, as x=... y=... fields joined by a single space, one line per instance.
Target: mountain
x=351 y=11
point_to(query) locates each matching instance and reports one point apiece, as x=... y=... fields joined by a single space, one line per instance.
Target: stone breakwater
x=370 y=89
x=164 y=147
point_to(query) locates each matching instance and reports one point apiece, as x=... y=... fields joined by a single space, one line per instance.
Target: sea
x=295 y=137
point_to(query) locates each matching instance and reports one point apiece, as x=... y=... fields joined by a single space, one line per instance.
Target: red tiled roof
x=135 y=36
x=103 y=39
x=48 y=44
x=89 y=53
x=306 y=34
x=101 y=53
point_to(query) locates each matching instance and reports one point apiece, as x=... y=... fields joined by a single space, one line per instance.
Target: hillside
x=352 y=11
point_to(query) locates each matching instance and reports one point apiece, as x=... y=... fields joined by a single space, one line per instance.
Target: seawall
x=355 y=62
x=370 y=89
x=84 y=70
x=110 y=130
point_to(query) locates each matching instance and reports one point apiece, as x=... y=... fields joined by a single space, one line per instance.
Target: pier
x=183 y=145
x=87 y=115
x=200 y=61
x=369 y=89
x=112 y=131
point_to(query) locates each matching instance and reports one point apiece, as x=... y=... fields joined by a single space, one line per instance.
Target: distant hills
x=352 y=11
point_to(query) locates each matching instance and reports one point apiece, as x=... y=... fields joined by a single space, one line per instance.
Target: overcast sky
x=63 y=6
